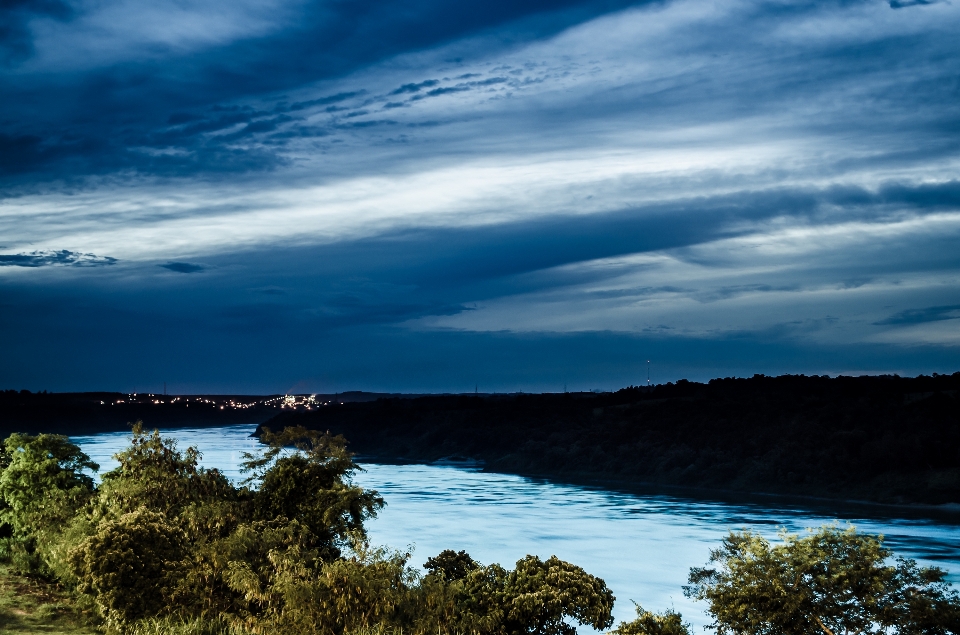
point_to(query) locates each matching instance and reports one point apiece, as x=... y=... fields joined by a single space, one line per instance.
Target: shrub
x=130 y=566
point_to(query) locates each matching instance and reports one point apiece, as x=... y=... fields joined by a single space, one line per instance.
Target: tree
x=154 y=474
x=542 y=593
x=291 y=590
x=42 y=486
x=450 y=565
x=536 y=598
x=305 y=476
x=831 y=582
x=667 y=623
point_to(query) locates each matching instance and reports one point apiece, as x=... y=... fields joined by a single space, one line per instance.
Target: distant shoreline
x=882 y=441
x=886 y=441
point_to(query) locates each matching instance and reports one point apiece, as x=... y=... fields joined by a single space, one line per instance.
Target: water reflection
x=642 y=544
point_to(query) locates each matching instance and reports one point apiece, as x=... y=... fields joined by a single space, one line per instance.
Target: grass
x=30 y=605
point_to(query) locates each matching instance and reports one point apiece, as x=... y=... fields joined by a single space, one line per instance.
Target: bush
x=130 y=565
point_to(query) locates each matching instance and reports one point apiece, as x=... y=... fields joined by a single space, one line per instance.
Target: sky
x=424 y=196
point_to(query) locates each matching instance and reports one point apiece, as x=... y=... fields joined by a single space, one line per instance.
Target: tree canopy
x=830 y=582
x=163 y=540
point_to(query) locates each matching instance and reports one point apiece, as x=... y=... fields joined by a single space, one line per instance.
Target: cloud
x=414 y=88
x=183 y=267
x=684 y=176
x=900 y=4
x=919 y=316
x=55 y=258
x=15 y=16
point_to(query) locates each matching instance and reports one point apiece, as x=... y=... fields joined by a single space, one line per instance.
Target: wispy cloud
x=183 y=267
x=681 y=171
x=55 y=258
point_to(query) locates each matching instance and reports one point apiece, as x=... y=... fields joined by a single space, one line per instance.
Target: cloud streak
x=673 y=175
x=55 y=258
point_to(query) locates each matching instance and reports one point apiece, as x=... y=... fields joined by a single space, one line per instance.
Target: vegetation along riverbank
x=164 y=546
x=885 y=439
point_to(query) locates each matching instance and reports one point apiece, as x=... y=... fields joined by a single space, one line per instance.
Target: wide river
x=641 y=544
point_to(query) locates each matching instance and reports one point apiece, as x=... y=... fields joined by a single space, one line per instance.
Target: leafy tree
x=536 y=598
x=541 y=593
x=830 y=582
x=481 y=603
x=305 y=476
x=154 y=474
x=646 y=623
x=42 y=486
x=450 y=565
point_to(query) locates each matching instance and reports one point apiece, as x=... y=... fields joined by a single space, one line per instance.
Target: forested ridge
x=93 y=412
x=887 y=439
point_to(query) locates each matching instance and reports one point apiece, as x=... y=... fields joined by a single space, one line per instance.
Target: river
x=641 y=543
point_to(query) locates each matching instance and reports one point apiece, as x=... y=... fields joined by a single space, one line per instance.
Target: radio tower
x=648 y=373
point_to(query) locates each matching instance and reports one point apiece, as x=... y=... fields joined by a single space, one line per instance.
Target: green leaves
x=450 y=565
x=540 y=594
x=536 y=598
x=830 y=582
x=42 y=487
x=130 y=565
x=154 y=474
x=309 y=483
x=667 y=623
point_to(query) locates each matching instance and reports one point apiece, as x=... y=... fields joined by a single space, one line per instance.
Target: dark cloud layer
x=183 y=267
x=15 y=39
x=927 y=314
x=433 y=195
x=97 y=120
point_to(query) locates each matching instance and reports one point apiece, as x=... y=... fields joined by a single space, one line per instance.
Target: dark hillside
x=885 y=439
x=92 y=412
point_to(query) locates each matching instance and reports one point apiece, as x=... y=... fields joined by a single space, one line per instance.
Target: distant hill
x=886 y=439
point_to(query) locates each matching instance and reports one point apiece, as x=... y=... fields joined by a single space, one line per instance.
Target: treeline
x=886 y=439
x=93 y=412
x=163 y=546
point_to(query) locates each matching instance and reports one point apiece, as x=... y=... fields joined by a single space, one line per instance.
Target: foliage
x=130 y=565
x=450 y=565
x=181 y=626
x=536 y=598
x=830 y=582
x=646 y=623
x=541 y=593
x=310 y=484
x=42 y=486
x=154 y=474
x=300 y=593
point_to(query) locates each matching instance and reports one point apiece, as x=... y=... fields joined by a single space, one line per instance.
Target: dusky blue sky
x=326 y=195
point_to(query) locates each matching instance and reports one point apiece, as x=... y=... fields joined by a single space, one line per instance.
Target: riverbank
x=888 y=440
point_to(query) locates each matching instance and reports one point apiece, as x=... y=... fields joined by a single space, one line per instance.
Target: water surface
x=641 y=544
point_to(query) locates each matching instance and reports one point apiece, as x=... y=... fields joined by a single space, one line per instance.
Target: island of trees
x=164 y=546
